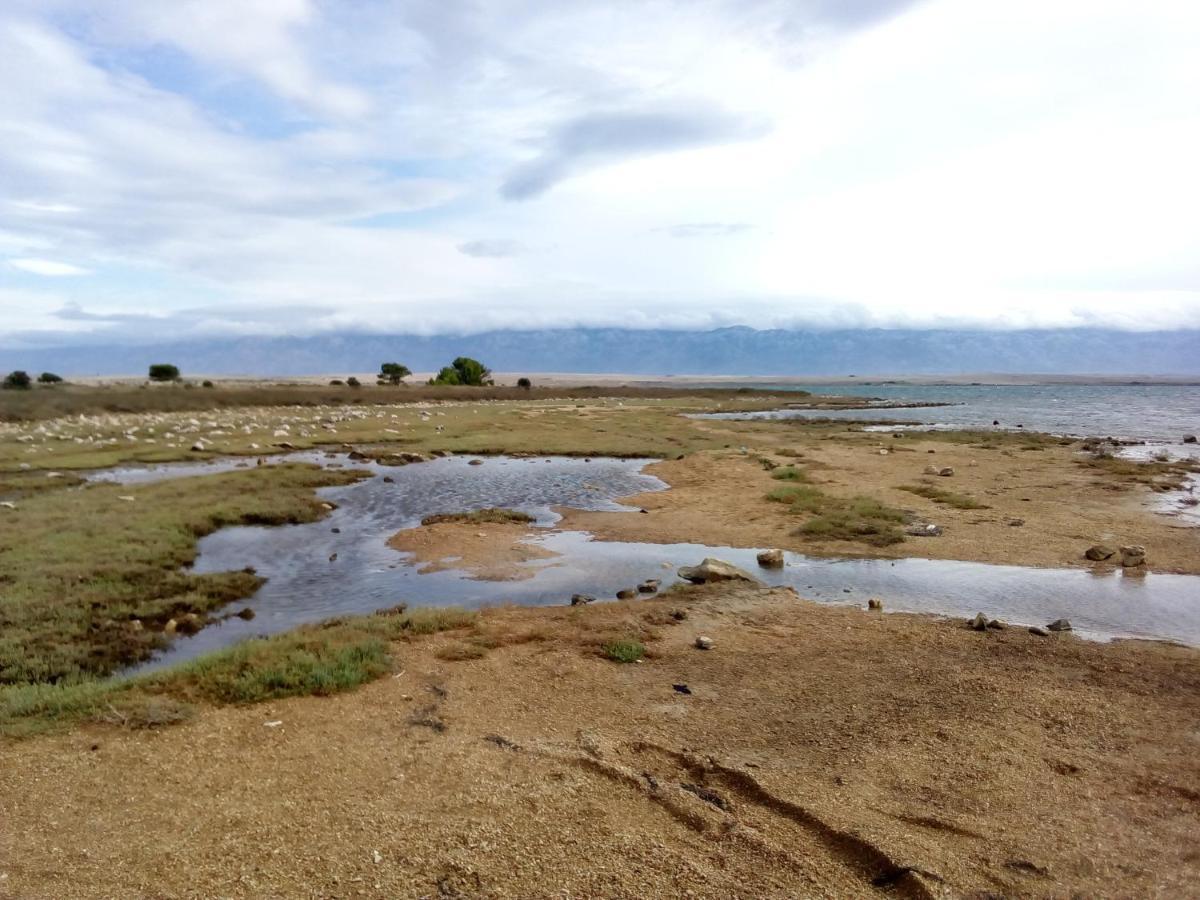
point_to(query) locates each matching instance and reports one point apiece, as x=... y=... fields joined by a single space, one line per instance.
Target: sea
x=1154 y=413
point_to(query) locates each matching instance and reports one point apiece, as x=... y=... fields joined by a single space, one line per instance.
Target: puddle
x=304 y=585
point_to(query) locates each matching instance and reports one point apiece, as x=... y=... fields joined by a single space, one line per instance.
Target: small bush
x=336 y=382
x=800 y=497
x=789 y=473
x=464 y=370
x=490 y=516
x=49 y=378
x=206 y=383
x=164 y=372
x=353 y=382
x=17 y=381
x=524 y=383
x=624 y=651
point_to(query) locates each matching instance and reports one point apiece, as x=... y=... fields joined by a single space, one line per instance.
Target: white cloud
x=48 y=267
x=335 y=165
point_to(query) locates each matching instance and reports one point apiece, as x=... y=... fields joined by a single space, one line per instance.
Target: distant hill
x=726 y=351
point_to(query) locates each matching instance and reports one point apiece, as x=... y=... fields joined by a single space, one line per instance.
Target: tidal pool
x=305 y=585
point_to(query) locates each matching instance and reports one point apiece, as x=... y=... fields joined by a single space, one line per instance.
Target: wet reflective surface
x=305 y=585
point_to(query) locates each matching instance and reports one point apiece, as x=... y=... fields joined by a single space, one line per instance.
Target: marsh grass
x=490 y=516
x=1155 y=474
x=89 y=580
x=624 y=650
x=322 y=659
x=790 y=473
x=944 y=497
x=863 y=520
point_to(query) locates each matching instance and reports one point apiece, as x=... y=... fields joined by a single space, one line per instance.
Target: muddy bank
x=821 y=751
x=487 y=552
x=1037 y=507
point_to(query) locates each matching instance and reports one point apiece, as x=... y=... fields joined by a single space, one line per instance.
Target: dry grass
x=489 y=516
x=944 y=497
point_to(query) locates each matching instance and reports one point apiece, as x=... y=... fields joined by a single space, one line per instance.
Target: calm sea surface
x=1159 y=412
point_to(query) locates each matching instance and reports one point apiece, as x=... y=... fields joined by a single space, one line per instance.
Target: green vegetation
x=17 y=381
x=1155 y=474
x=464 y=371
x=860 y=519
x=490 y=516
x=944 y=497
x=90 y=581
x=49 y=378
x=164 y=372
x=789 y=473
x=524 y=383
x=393 y=373
x=625 y=650
x=353 y=382
x=322 y=659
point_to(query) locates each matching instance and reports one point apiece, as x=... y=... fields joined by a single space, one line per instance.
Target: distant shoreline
x=578 y=379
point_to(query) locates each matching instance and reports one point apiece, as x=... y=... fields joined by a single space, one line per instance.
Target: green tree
x=393 y=372
x=163 y=372
x=17 y=381
x=49 y=378
x=464 y=370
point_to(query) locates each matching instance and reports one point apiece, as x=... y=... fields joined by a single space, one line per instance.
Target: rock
x=1014 y=522
x=924 y=529
x=649 y=586
x=1059 y=625
x=678 y=615
x=197 y=447
x=335 y=530
x=875 y=603
x=388 y=479
x=1098 y=552
x=626 y=593
x=285 y=445
x=475 y=462
x=996 y=625
x=946 y=471
x=7 y=504
x=711 y=570
x=704 y=643
x=170 y=627
x=333 y=557
x=1133 y=555
x=931 y=470
x=356 y=454
x=581 y=599
x=1189 y=439
x=1040 y=632
x=770 y=559
x=980 y=622
x=681 y=688
x=245 y=614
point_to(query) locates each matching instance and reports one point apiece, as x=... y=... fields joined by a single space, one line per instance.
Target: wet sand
x=486 y=552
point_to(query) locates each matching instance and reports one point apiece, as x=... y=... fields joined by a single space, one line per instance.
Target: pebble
x=875 y=603
x=1040 y=632
x=704 y=643
x=1059 y=625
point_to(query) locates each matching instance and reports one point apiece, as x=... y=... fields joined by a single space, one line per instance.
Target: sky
x=214 y=167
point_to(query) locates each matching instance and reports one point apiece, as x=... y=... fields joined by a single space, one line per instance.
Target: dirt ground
x=821 y=752
x=717 y=498
x=487 y=552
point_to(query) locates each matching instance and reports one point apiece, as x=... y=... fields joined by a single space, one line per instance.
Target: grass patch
x=90 y=581
x=1155 y=474
x=790 y=473
x=859 y=519
x=490 y=516
x=944 y=497
x=624 y=651
x=322 y=659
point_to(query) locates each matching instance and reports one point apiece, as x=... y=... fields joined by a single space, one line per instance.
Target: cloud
x=599 y=138
x=48 y=267
x=708 y=229
x=493 y=248
x=289 y=166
